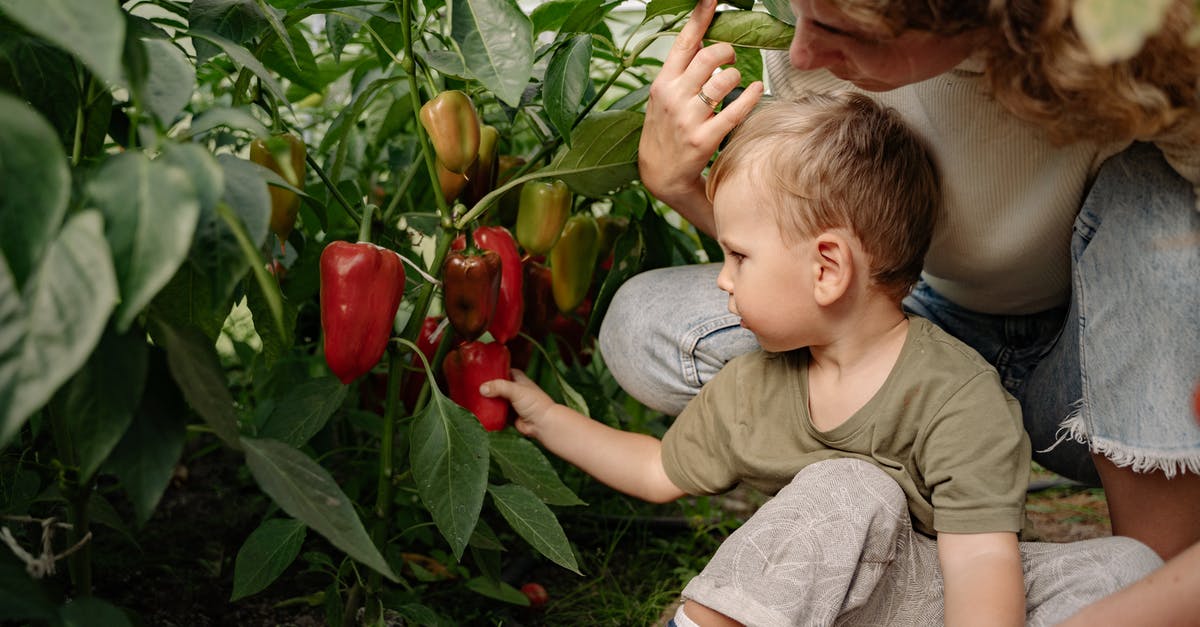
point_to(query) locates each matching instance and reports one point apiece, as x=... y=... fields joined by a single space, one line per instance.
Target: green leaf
x=567 y=80
x=145 y=458
x=231 y=118
x=496 y=40
x=238 y=21
x=196 y=368
x=603 y=154
x=750 y=29
x=244 y=58
x=46 y=78
x=294 y=61
x=36 y=184
x=171 y=81
x=1114 y=30
x=274 y=345
x=449 y=453
x=551 y=15
x=92 y=612
x=216 y=250
x=99 y=401
x=523 y=463
x=670 y=8
x=265 y=554
x=150 y=211
x=306 y=491
x=67 y=303
x=496 y=589
x=188 y=301
x=586 y=16
x=92 y=31
x=532 y=520
x=781 y=10
x=304 y=410
x=21 y=597
x=12 y=337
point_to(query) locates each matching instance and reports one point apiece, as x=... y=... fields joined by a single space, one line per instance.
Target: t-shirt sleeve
x=695 y=450
x=975 y=458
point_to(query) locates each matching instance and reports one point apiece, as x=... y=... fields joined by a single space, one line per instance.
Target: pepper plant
x=161 y=289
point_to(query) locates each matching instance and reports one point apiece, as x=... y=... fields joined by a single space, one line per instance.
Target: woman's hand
x=528 y=400
x=681 y=132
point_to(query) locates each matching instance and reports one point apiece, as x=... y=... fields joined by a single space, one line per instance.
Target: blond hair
x=842 y=160
x=1040 y=70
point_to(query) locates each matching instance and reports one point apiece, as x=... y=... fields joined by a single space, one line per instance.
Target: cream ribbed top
x=1010 y=196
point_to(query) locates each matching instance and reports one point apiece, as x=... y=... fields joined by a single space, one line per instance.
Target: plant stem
x=78 y=494
x=337 y=195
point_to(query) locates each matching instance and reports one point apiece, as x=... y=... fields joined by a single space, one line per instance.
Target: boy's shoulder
x=940 y=351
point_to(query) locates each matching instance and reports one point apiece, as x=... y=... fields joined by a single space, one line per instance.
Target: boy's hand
x=529 y=401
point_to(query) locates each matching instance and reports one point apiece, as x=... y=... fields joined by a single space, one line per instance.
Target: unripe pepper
x=453 y=128
x=361 y=288
x=573 y=260
x=468 y=366
x=450 y=183
x=284 y=155
x=545 y=206
x=470 y=289
x=510 y=304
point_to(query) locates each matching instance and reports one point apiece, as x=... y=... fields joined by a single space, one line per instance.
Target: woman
x=1067 y=255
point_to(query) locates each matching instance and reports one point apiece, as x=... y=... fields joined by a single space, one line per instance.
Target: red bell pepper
x=510 y=306
x=470 y=289
x=466 y=367
x=361 y=288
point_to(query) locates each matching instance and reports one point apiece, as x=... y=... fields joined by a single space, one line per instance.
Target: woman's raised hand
x=681 y=131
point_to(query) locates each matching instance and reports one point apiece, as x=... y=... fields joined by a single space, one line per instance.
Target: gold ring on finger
x=708 y=102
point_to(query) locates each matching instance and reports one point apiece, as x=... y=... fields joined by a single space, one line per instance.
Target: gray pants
x=836 y=547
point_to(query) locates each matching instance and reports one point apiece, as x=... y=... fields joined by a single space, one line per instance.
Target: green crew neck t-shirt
x=941 y=425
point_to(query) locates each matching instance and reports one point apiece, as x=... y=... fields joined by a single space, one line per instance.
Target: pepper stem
x=364 y=228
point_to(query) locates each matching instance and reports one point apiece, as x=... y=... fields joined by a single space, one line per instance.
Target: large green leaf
x=36 y=185
x=306 y=491
x=294 y=60
x=47 y=78
x=216 y=251
x=188 y=301
x=67 y=302
x=145 y=458
x=781 y=10
x=150 y=211
x=238 y=21
x=530 y=518
x=244 y=58
x=265 y=554
x=237 y=119
x=603 y=154
x=92 y=31
x=196 y=368
x=750 y=29
x=171 y=81
x=98 y=402
x=449 y=453
x=522 y=462
x=304 y=410
x=567 y=80
x=496 y=39
x=670 y=8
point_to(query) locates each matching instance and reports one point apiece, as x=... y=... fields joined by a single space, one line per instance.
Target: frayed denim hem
x=1140 y=460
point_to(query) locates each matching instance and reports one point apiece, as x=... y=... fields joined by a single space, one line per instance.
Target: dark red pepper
x=470 y=289
x=510 y=306
x=466 y=367
x=361 y=288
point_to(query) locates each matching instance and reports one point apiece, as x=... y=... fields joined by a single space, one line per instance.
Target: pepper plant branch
x=312 y=163
x=491 y=197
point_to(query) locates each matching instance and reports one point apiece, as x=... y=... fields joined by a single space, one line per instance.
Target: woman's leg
x=669 y=331
x=1133 y=335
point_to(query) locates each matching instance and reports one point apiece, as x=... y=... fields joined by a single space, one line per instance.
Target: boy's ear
x=834 y=267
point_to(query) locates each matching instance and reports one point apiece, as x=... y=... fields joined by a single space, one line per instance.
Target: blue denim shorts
x=1110 y=372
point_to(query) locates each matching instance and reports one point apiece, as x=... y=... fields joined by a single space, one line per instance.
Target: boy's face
x=768 y=280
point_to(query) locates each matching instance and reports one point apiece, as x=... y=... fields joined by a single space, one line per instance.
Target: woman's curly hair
x=1040 y=69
